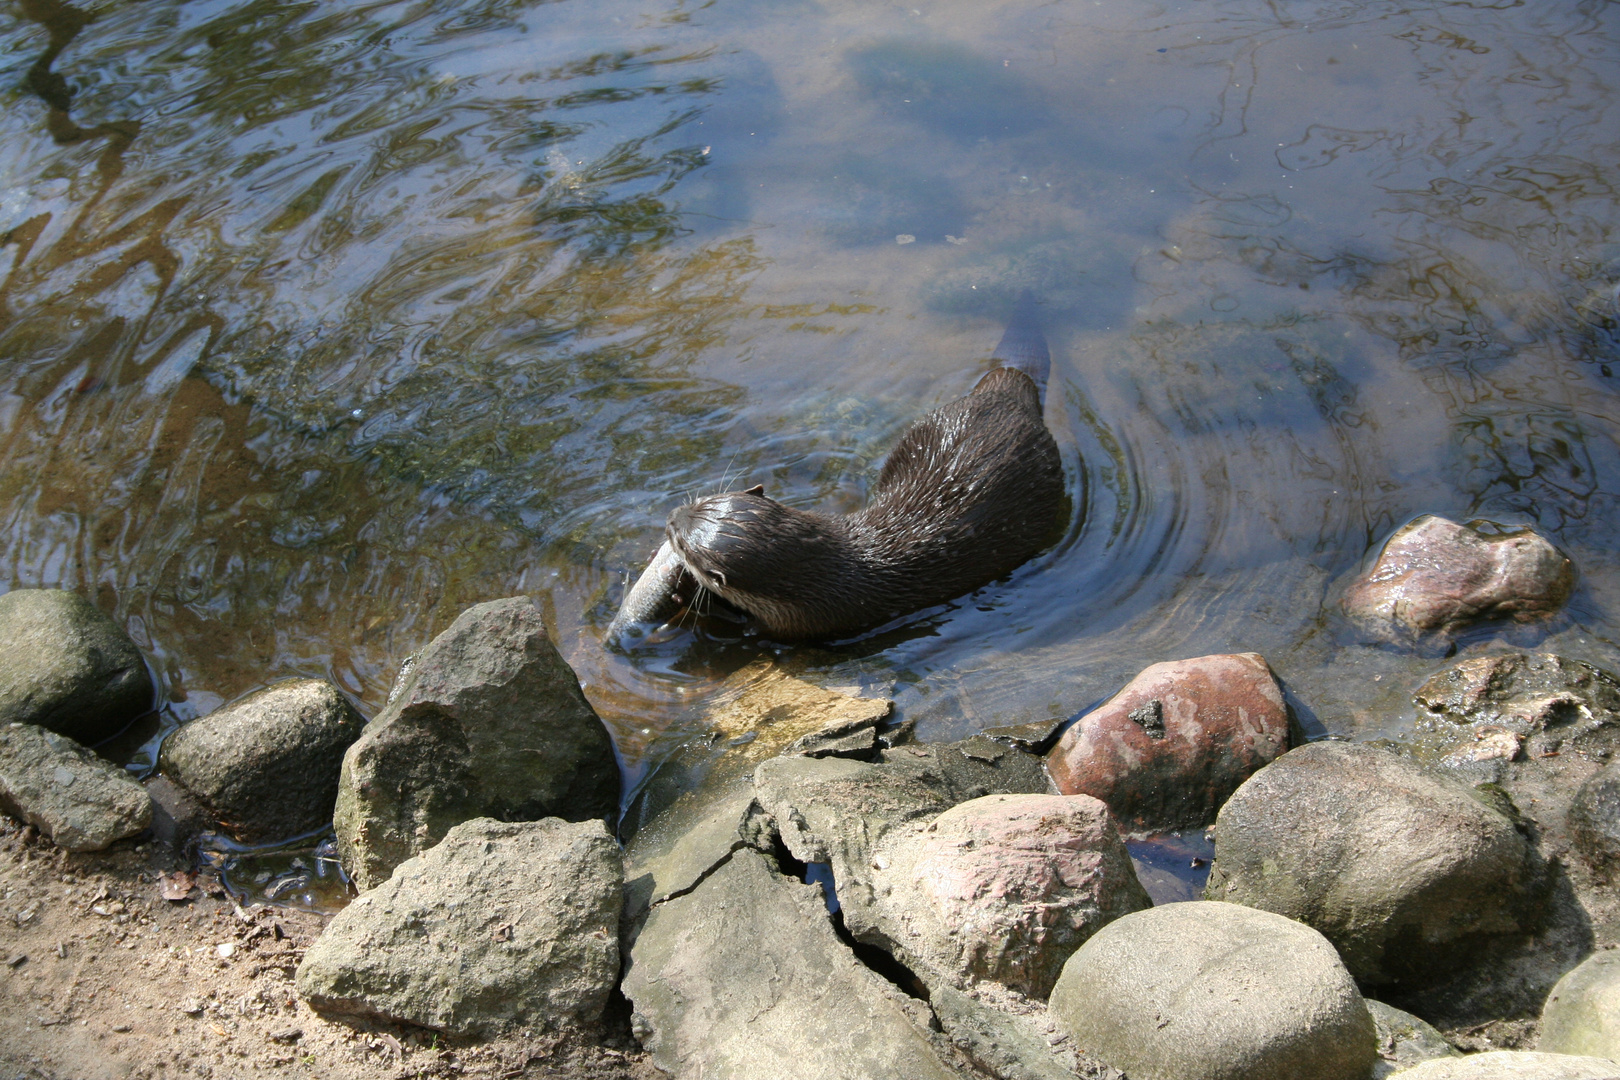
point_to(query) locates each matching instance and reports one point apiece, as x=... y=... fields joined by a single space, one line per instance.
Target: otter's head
x=755 y=553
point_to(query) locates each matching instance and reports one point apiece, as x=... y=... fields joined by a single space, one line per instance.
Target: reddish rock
x=1435 y=576
x=1004 y=888
x=1167 y=750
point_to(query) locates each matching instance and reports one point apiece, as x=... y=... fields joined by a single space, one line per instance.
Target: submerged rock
x=1582 y=1014
x=501 y=923
x=67 y=667
x=1168 y=749
x=743 y=977
x=1003 y=888
x=267 y=765
x=1436 y=576
x=488 y=722
x=1512 y=1065
x=1207 y=991
x=78 y=800
x=1404 y=871
x=1404 y=1040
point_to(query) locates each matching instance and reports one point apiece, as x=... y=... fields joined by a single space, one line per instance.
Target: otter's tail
x=1023 y=346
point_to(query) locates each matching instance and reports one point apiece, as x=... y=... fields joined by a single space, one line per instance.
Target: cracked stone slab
x=744 y=977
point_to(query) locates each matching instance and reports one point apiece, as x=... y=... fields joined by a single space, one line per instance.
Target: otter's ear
x=757 y=489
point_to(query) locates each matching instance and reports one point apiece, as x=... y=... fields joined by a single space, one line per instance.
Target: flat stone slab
x=1166 y=751
x=1405 y=871
x=81 y=801
x=1512 y=1065
x=1207 y=991
x=743 y=978
x=68 y=667
x=267 y=765
x=487 y=722
x=501 y=923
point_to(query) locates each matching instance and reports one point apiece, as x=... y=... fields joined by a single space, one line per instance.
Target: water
x=320 y=322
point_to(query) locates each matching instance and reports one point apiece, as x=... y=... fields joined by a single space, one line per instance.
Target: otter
x=970 y=492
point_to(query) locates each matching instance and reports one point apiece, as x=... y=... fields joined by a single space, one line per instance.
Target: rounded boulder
x=1582 y=1014
x=67 y=667
x=1212 y=991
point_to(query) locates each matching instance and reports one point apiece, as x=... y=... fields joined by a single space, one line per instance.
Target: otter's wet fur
x=970 y=492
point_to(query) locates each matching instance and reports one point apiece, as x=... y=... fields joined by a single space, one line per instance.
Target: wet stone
x=500 y=924
x=1405 y=871
x=68 y=667
x=80 y=801
x=1594 y=818
x=1167 y=750
x=267 y=765
x=1512 y=1065
x=1207 y=991
x=1582 y=1014
x=1435 y=576
x=489 y=721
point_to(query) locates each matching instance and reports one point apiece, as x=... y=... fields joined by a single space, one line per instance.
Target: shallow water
x=321 y=321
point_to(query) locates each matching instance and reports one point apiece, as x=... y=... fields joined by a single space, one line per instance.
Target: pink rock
x=1167 y=750
x=1435 y=576
x=1005 y=888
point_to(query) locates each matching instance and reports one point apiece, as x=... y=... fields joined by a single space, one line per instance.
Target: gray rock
x=1582 y=1014
x=1594 y=818
x=743 y=977
x=1001 y=888
x=1168 y=749
x=267 y=765
x=1512 y=1065
x=80 y=801
x=688 y=842
x=1404 y=1040
x=502 y=923
x=489 y=722
x=1404 y=871
x=1435 y=576
x=68 y=667
x=1207 y=991
x=1007 y=1046
x=838 y=811
x=177 y=818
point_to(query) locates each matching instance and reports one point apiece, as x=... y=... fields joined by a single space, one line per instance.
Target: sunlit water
x=321 y=321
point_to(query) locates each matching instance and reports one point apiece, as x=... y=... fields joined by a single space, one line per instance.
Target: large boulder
x=1168 y=749
x=1435 y=576
x=743 y=977
x=1208 y=991
x=1404 y=871
x=68 y=667
x=501 y=923
x=488 y=722
x=1582 y=1014
x=1512 y=1065
x=266 y=766
x=1003 y=888
x=78 y=800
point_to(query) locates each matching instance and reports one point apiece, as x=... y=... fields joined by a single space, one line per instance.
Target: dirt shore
x=103 y=978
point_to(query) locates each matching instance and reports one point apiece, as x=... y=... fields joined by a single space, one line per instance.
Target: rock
x=1582 y=1014
x=743 y=977
x=1006 y=1046
x=1208 y=991
x=489 y=722
x=1594 y=818
x=502 y=923
x=838 y=811
x=1437 y=577
x=1512 y=1065
x=1402 y=870
x=687 y=843
x=267 y=765
x=1002 y=888
x=1404 y=1040
x=80 y=801
x=67 y=667
x=1523 y=692
x=1168 y=749
x=177 y=818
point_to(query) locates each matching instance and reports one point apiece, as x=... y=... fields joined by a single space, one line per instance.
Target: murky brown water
x=321 y=321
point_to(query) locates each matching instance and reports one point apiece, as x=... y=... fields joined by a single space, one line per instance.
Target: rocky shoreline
x=834 y=899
